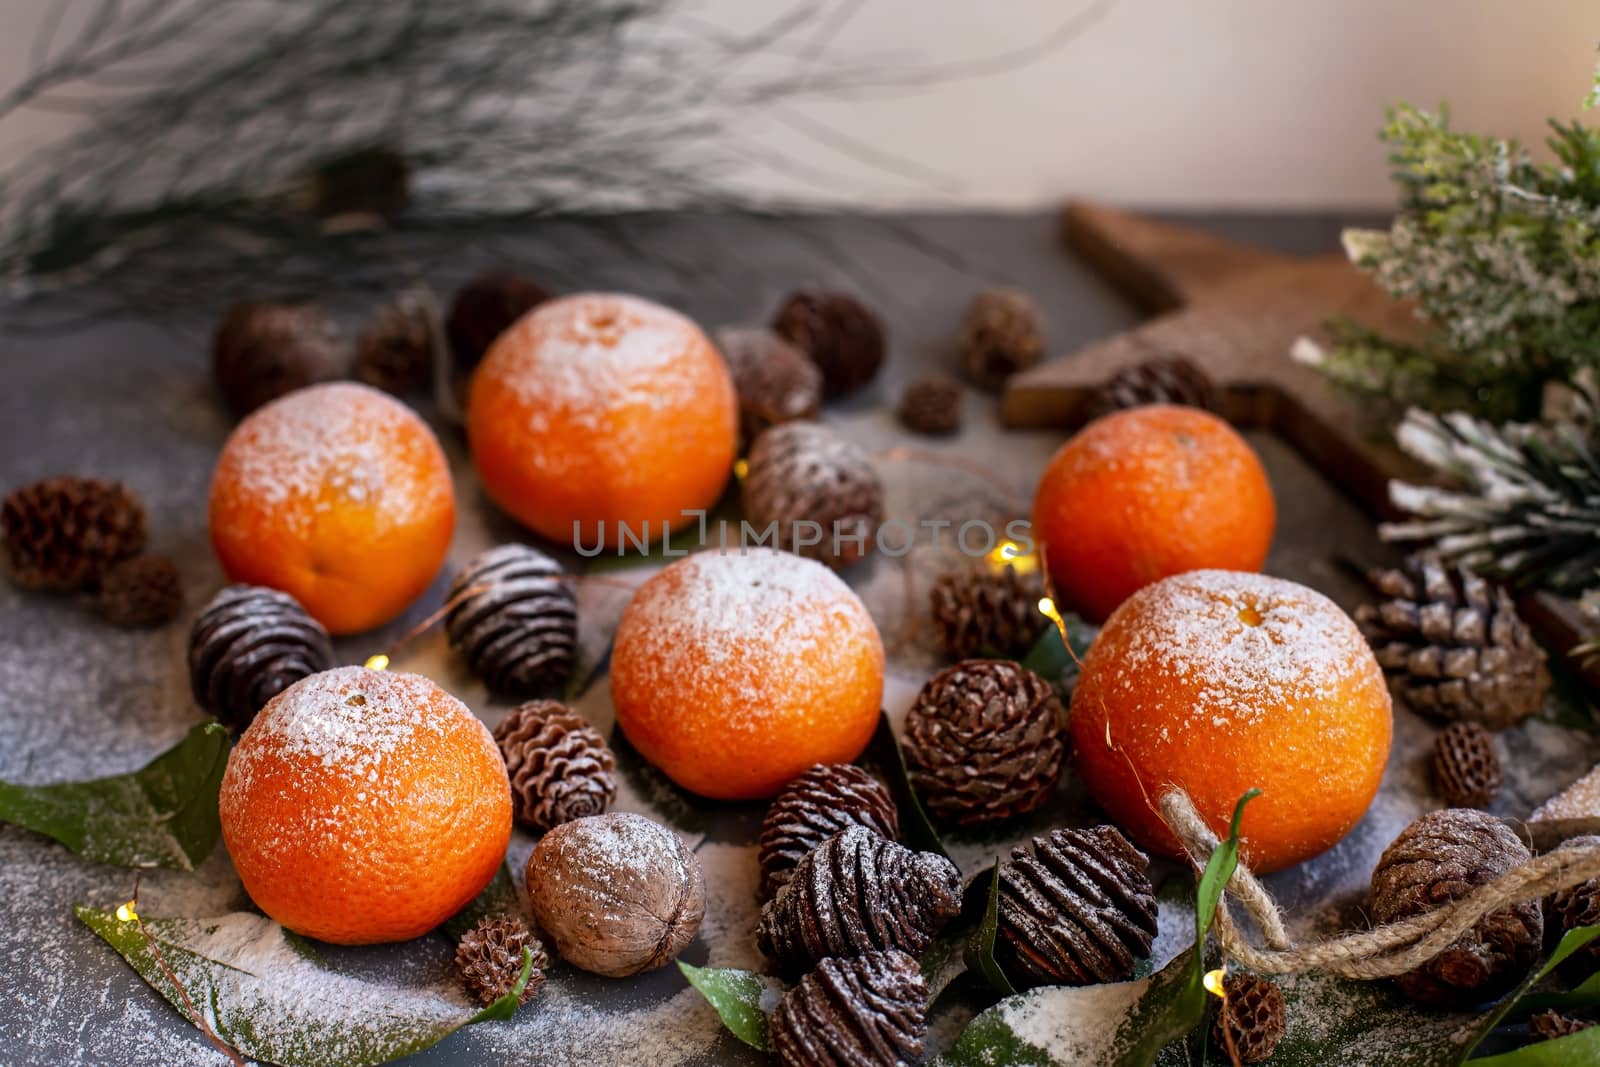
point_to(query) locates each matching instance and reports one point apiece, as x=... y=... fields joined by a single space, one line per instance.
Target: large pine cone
x=817 y=489
x=1466 y=765
x=1253 y=1014
x=489 y=958
x=1076 y=908
x=978 y=609
x=262 y=350
x=985 y=742
x=1157 y=381
x=823 y=801
x=775 y=381
x=66 y=532
x=843 y=338
x=1453 y=645
x=142 y=591
x=1001 y=334
x=870 y=1011
x=519 y=630
x=1440 y=858
x=858 y=893
x=1577 y=905
x=395 y=351
x=247 y=646
x=560 y=766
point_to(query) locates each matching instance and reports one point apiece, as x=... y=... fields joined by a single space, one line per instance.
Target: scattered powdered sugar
x=1079 y=1024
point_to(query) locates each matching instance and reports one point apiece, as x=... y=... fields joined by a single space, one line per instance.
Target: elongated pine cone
x=828 y=798
x=248 y=645
x=841 y=335
x=514 y=617
x=1076 y=908
x=1577 y=906
x=1466 y=765
x=1156 y=381
x=1442 y=857
x=395 y=351
x=774 y=380
x=264 y=349
x=489 y=958
x=932 y=405
x=870 y=1011
x=142 y=591
x=856 y=893
x=64 y=533
x=985 y=742
x=980 y=609
x=1002 y=333
x=559 y=765
x=1549 y=1025
x=818 y=491
x=1253 y=1014
x=1453 y=645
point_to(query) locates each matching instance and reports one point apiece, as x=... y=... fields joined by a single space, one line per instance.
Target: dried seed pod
x=142 y=591
x=981 y=609
x=843 y=338
x=1253 y=1014
x=828 y=798
x=817 y=490
x=395 y=351
x=932 y=405
x=1001 y=334
x=264 y=349
x=775 y=381
x=514 y=617
x=248 y=645
x=559 y=765
x=1466 y=765
x=870 y=1011
x=64 y=533
x=489 y=959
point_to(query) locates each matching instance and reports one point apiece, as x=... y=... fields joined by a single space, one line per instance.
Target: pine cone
x=483 y=308
x=828 y=798
x=559 y=765
x=979 y=609
x=1076 y=908
x=984 y=742
x=519 y=631
x=1156 y=381
x=857 y=893
x=819 y=490
x=932 y=405
x=1253 y=1013
x=1442 y=857
x=1577 y=906
x=248 y=645
x=1466 y=765
x=1453 y=645
x=870 y=1011
x=1549 y=1025
x=262 y=350
x=775 y=381
x=66 y=532
x=1002 y=333
x=142 y=591
x=843 y=338
x=395 y=350
x=489 y=958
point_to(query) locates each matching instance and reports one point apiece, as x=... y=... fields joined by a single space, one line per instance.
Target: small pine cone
x=1577 y=906
x=828 y=798
x=1001 y=334
x=142 y=591
x=1253 y=1014
x=1156 y=381
x=1549 y=1025
x=985 y=742
x=857 y=893
x=979 y=609
x=932 y=405
x=814 y=486
x=1466 y=765
x=870 y=1011
x=1442 y=857
x=65 y=533
x=1076 y=908
x=841 y=335
x=248 y=645
x=395 y=350
x=1453 y=645
x=775 y=381
x=481 y=311
x=489 y=958
x=519 y=630
x=263 y=349
x=559 y=765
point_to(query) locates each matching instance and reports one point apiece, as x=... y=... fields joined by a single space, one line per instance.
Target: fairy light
x=1212 y=980
x=1010 y=554
x=128 y=913
x=1047 y=608
x=380 y=662
x=741 y=467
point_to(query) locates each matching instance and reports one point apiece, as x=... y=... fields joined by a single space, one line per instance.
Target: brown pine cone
x=1577 y=906
x=1253 y=1013
x=1001 y=334
x=489 y=958
x=985 y=742
x=857 y=893
x=817 y=491
x=519 y=629
x=395 y=350
x=65 y=532
x=1466 y=765
x=264 y=349
x=870 y=1011
x=373 y=180
x=981 y=610
x=483 y=308
x=1076 y=907
x=1549 y=1025
x=249 y=644
x=1442 y=857
x=932 y=405
x=559 y=765
x=1156 y=381
x=142 y=591
x=826 y=799
x=843 y=338
x=775 y=381
x=1453 y=645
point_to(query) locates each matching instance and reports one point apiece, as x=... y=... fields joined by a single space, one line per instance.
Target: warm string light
x=128 y=913
x=380 y=662
x=1212 y=981
x=741 y=467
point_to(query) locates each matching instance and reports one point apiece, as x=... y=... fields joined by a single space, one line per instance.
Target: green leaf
x=1051 y=659
x=1336 y=1020
x=1571 y=942
x=162 y=815
x=506 y=1006
x=268 y=995
x=1574 y=1050
x=916 y=829
x=1218 y=870
x=742 y=999
x=499 y=897
x=980 y=947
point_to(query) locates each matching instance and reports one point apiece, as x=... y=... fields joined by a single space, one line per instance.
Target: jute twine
x=1382 y=952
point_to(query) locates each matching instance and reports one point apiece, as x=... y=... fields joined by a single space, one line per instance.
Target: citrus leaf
x=161 y=815
x=1573 y=1050
x=980 y=947
x=1571 y=942
x=916 y=829
x=1052 y=659
x=742 y=999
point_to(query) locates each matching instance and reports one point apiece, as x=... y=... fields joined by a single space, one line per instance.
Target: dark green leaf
x=1581 y=1049
x=742 y=999
x=1051 y=659
x=506 y=1006
x=499 y=897
x=916 y=829
x=162 y=815
x=1338 y=1020
x=980 y=947
x=1571 y=942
